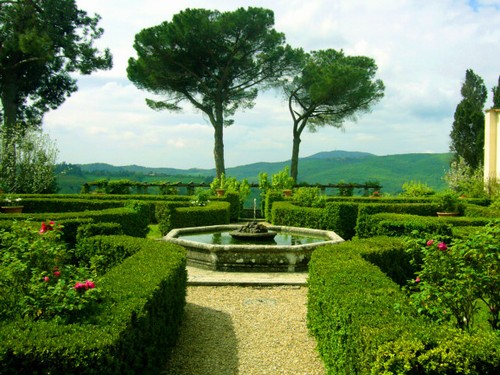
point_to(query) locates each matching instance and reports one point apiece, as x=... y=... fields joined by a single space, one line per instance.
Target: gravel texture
x=245 y=330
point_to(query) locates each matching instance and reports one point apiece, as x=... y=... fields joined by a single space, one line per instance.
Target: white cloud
x=422 y=49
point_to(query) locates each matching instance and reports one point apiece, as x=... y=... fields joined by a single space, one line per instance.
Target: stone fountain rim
x=333 y=238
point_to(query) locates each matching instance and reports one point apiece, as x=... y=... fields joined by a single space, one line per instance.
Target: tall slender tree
x=41 y=43
x=214 y=61
x=330 y=89
x=496 y=95
x=467 y=134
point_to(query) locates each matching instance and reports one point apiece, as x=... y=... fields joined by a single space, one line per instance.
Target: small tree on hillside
x=215 y=61
x=330 y=89
x=467 y=134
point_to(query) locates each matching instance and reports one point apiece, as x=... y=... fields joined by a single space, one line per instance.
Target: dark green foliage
x=103 y=252
x=467 y=134
x=480 y=211
x=285 y=213
x=401 y=225
x=33 y=205
x=214 y=213
x=329 y=88
x=496 y=95
x=388 y=224
x=341 y=218
x=351 y=308
x=163 y=215
x=388 y=254
x=137 y=325
x=133 y=223
x=271 y=197
x=365 y=226
x=42 y=44
x=176 y=60
x=235 y=206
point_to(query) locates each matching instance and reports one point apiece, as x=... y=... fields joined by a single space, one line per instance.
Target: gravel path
x=245 y=330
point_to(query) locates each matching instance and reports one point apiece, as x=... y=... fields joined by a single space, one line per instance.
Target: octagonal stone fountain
x=232 y=248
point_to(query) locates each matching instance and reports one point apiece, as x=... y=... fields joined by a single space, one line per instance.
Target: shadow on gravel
x=207 y=344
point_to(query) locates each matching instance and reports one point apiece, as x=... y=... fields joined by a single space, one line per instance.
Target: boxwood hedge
x=132 y=332
x=363 y=323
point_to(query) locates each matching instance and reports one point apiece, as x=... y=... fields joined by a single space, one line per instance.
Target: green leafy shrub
x=464 y=180
x=201 y=197
x=416 y=189
x=454 y=277
x=282 y=180
x=309 y=197
x=232 y=185
x=37 y=278
x=449 y=201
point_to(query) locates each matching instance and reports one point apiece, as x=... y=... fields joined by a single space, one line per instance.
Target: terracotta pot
x=287 y=192
x=220 y=192
x=12 y=209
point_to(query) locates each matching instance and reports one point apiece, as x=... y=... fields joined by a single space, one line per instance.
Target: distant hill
x=338 y=154
x=103 y=167
x=391 y=171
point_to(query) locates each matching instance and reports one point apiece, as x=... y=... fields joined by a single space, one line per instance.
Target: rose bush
x=455 y=276
x=36 y=277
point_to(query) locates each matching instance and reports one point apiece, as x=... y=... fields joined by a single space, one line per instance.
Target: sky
x=422 y=48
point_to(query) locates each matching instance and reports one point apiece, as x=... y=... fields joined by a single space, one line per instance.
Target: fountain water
x=258 y=256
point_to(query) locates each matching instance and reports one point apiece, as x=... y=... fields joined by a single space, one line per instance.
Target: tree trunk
x=219 y=150
x=8 y=148
x=294 y=168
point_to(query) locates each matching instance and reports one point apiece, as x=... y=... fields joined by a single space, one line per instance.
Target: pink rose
x=79 y=286
x=442 y=246
x=57 y=273
x=430 y=242
x=89 y=284
x=46 y=279
x=417 y=280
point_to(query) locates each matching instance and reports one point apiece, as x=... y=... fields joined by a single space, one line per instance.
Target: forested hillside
x=391 y=171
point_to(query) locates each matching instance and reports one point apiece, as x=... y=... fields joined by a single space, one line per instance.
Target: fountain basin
x=258 y=257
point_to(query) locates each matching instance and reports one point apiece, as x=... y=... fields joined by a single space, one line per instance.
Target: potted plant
x=11 y=205
x=449 y=204
x=220 y=191
x=283 y=181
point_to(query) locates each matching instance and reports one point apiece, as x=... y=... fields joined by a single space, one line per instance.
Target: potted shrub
x=221 y=190
x=449 y=204
x=283 y=181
